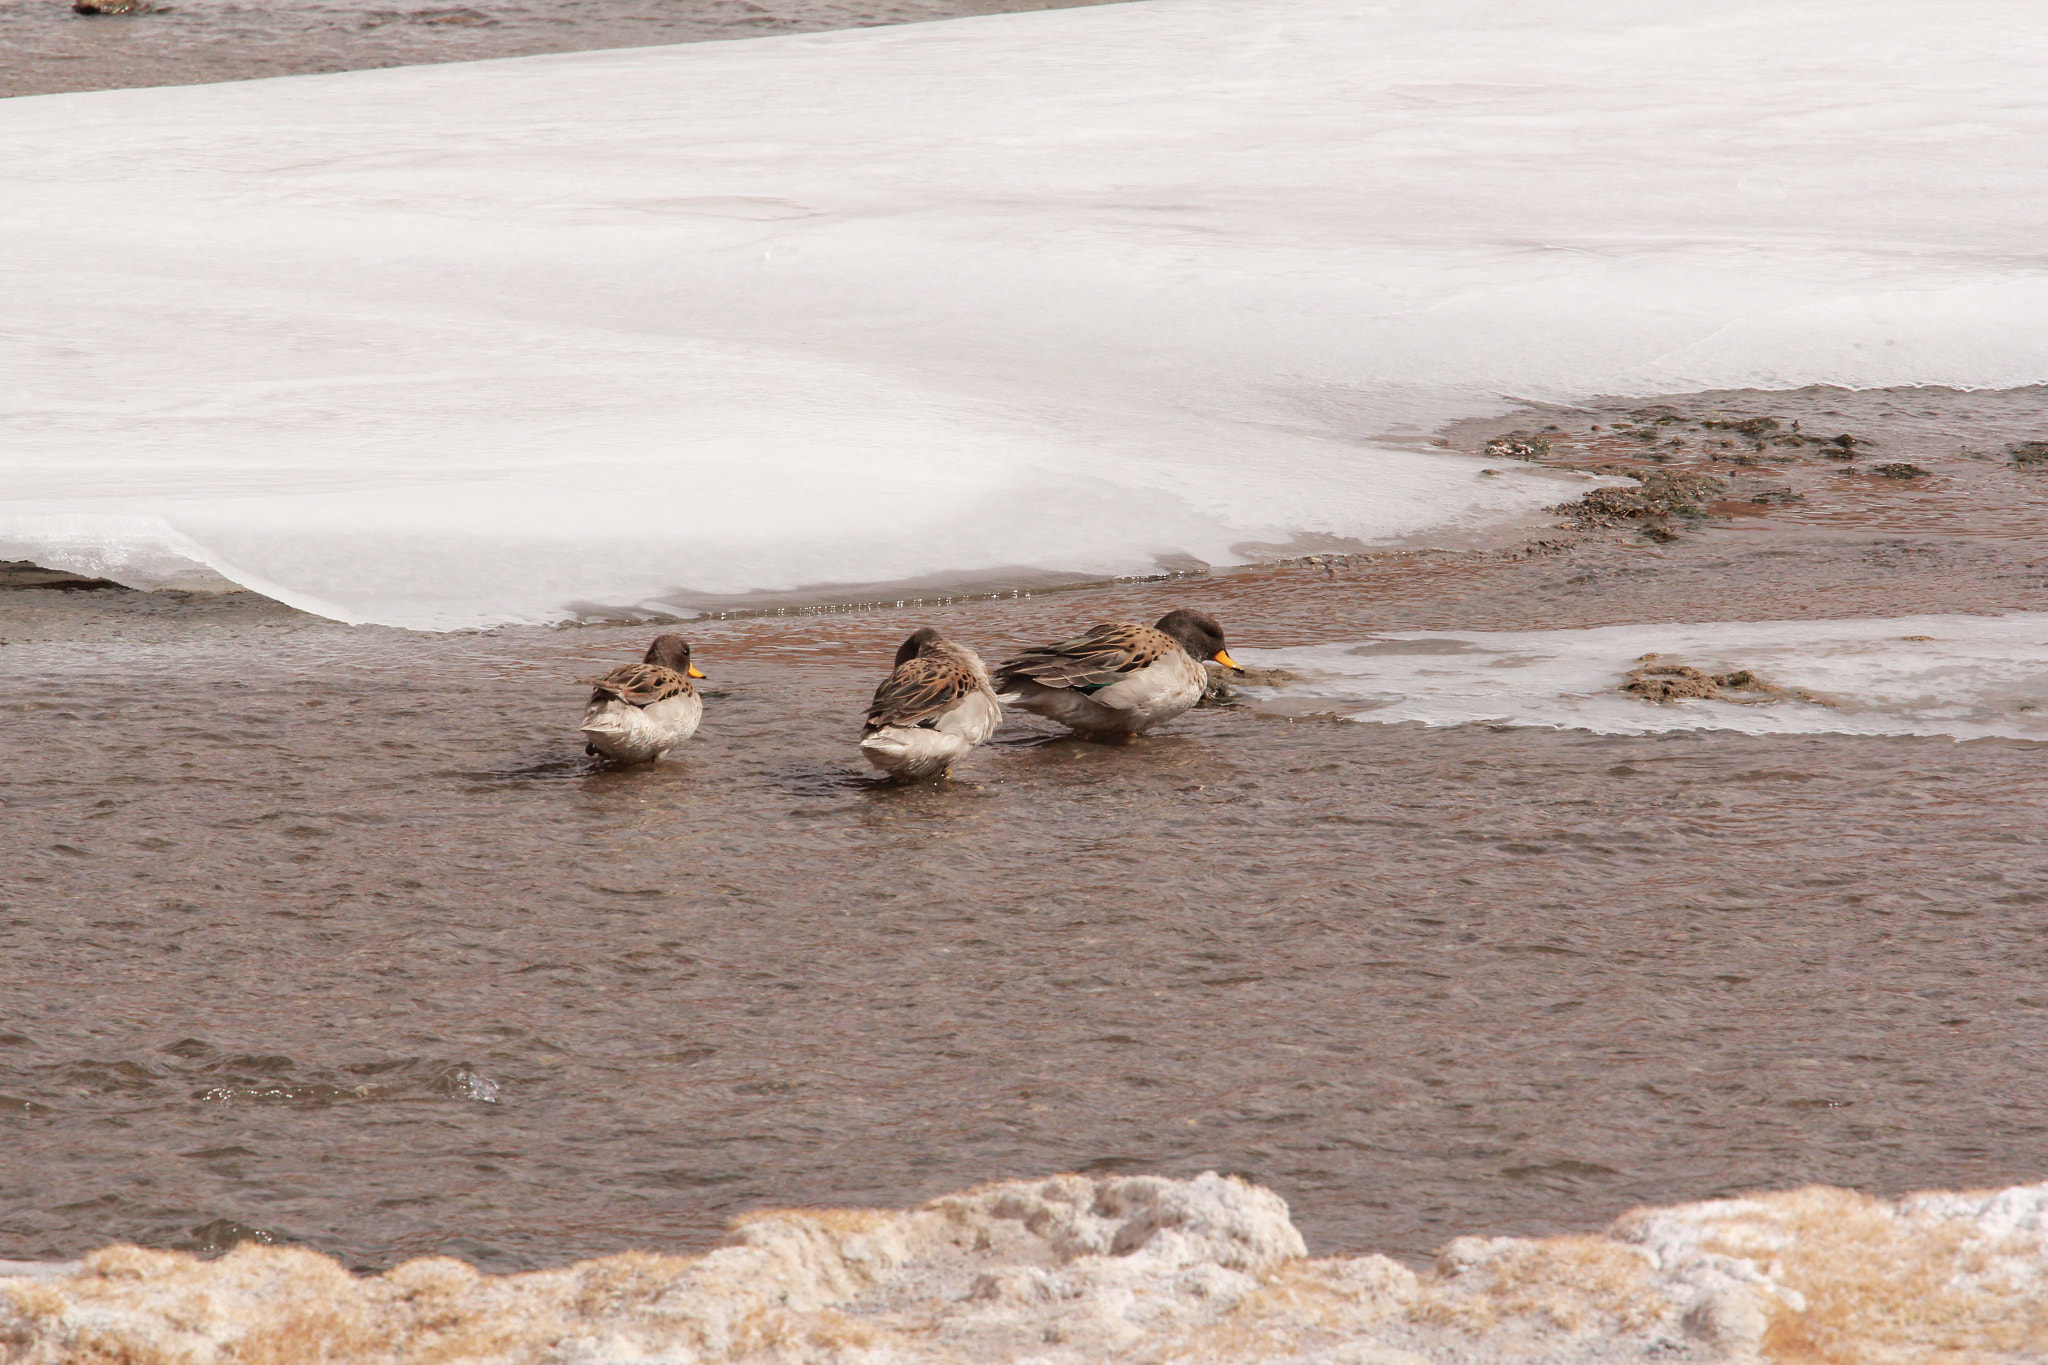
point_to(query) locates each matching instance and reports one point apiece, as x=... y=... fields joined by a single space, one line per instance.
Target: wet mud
x=1818 y=457
x=1660 y=680
x=331 y=936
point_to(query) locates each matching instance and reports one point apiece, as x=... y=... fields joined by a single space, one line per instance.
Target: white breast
x=917 y=751
x=1158 y=693
x=639 y=734
x=1146 y=698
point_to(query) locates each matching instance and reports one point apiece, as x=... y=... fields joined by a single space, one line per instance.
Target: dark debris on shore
x=1707 y=459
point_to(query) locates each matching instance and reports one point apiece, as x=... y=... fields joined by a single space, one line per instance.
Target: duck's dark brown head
x=1197 y=633
x=672 y=651
x=915 y=645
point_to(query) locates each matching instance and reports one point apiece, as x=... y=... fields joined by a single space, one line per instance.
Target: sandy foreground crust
x=1135 y=1268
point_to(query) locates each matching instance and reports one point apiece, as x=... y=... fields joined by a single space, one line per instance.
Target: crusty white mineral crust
x=1071 y=1269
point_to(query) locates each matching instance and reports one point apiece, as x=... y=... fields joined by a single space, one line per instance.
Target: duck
x=1119 y=679
x=935 y=706
x=638 y=712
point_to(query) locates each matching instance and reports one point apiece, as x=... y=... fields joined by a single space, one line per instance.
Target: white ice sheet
x=444 y=346
x=1970 y=677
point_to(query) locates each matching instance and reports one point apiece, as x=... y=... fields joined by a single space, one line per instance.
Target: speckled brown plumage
x=1106 y=654
x=639 y=684
x=933 y=708
x=663 y=672
x=918 y=692
x=1120 y=678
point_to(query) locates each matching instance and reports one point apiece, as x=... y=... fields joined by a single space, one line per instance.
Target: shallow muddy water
x=331 y=935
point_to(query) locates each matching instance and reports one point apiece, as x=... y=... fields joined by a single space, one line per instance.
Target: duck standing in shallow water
x=1120 y=679
x=638 y=712
x=930 y=711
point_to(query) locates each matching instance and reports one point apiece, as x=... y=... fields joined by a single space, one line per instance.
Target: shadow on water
x=551 y=769
x=826 y=780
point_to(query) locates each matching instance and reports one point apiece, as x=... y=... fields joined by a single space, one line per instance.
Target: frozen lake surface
x=1094 y=291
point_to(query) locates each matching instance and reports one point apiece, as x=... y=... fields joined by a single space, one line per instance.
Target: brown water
x=331 y=935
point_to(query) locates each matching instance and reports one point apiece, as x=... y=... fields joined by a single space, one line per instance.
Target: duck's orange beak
x=1222 y=656
x=692 y=671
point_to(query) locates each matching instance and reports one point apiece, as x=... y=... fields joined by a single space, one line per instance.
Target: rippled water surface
x=331 y=935
x=372 y=962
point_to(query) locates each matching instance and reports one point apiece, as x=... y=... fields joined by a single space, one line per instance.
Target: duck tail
x=604 y=718
x=884 y=739
x=910 y=752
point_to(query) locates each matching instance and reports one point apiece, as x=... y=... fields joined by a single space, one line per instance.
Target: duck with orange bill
x=1118 y=679
x=934 y=707
x=638 y=712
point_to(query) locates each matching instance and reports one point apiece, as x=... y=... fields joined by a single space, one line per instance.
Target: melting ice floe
x=1967 y=676
x=1068 y=1270
x=444 y=346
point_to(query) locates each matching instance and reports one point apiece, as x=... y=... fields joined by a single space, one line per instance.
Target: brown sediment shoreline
x=381 y=966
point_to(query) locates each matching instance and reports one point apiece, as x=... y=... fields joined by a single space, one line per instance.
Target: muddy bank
x=1820 y=457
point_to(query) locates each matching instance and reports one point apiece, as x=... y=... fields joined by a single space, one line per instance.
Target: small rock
x=1752 y=427
x=1665 y=683
x=21 y=573
x=1670 y=682
x=1518 y=445
x=1265 y=677
x=1660 y=494
x=1732 y=1320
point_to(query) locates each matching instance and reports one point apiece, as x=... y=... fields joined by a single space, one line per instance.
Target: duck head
x=672 y=651
x=915 y=645
x=1197 y=633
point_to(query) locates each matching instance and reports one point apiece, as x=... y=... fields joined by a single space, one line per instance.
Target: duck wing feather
x=1107 y=654
x=639 y=684
x=919 y=690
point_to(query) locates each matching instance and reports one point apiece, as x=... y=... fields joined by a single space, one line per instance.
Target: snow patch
x=1080 y=291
